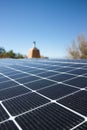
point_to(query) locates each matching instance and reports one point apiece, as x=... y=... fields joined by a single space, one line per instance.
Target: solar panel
x=43 y=94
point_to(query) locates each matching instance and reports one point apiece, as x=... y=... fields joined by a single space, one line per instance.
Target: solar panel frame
x=10 y=68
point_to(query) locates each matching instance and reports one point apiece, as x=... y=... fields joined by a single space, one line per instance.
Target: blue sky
x=53 y=24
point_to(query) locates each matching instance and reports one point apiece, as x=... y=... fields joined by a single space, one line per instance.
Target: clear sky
x=53 y=24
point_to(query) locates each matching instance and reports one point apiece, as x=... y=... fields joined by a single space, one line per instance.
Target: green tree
x=19 y=56
x=2 y=50
x=11 y=54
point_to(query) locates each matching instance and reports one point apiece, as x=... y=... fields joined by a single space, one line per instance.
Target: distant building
x=34 y=52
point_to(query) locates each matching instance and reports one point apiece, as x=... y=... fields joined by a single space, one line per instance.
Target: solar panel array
x=43 y=94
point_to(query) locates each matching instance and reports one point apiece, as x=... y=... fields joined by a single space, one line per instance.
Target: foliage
x=18 y=56
x=79 y=50
x=2 y=50
x=9 y=54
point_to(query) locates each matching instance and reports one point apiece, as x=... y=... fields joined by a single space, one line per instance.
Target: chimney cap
x=34 y=44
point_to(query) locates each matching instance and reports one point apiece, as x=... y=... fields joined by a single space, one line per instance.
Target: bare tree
x=78 y=50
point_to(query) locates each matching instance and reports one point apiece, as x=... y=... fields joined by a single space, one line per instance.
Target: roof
x=48 y=94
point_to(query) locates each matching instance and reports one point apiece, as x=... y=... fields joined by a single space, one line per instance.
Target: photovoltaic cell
x=9 y=125
x=50 y=117
x=47 y=74
x=64 y=69
x=3 y=114
x=57 y=91
x=52 y=67
x=78 y=71
x=7 y=84
x=82 y=127
x=24 y=103
x=20 y=75
x=39 y=84
x=77 y=102
x=27 y=79
x=12 y=92
x=36 y=72
x=2 y=79
x=11 y=73
x=80 y=82
x=77 y=65
x=61 y=77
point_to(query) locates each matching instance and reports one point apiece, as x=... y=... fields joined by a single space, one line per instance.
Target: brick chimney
x=34 y=52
